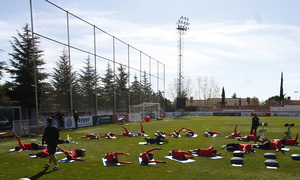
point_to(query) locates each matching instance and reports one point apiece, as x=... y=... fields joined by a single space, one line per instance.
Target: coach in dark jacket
x=51 y=136
x=255 y=123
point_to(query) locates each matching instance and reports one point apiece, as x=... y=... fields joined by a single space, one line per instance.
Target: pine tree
x=146 y=88
x=135 y=91
x=26 y=62
x=281 y=90
x=88 y=80
x=108 y=89
x=223 y=98
x=63 y=79
x=121 y=88
x=2 y=66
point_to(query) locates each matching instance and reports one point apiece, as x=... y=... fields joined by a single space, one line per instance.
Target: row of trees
x=65 y=88
x=82 y=90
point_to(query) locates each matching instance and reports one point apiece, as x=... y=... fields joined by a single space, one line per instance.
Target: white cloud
x=244 y=56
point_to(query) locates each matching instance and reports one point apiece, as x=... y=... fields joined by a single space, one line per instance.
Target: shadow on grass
x=40 y=174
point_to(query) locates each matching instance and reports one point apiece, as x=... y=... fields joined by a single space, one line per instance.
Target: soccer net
x=140 y=111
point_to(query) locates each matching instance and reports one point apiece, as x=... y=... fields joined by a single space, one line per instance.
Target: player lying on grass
x=44 y=153
x=91 y=136
x=112 y=157
x=209 y=133
x=110 y=135
x=181 y=155
x=74 y=154
x=147 y=157
x=141 y=132
x=277 y=145
x=190 y=132
x=210 y=152
x=27 y=146
x=234 y=134
x=62 y=141
x=247 y=138
x=160 y=133
x=156 y=140
x=246 y=148
x=176 y=133
x=127 y=132
x=130 y=134
x=290 y=141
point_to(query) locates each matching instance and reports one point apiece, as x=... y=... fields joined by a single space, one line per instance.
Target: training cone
x=68 y=137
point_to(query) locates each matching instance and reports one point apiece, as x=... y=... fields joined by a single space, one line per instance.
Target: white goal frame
x=140 y=111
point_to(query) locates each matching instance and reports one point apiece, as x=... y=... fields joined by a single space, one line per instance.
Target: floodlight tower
x=182 y=27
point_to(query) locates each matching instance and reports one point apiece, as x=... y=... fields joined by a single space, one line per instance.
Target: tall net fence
x=65 y=36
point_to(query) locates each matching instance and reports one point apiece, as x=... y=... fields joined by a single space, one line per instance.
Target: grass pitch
x=15 y=165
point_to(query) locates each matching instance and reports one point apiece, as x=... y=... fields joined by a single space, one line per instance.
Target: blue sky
x=244 y=45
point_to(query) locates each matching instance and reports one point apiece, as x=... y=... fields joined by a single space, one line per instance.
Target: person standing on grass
x=51 y=136
x=60 y=118
x=76 y=117
x=255 y=124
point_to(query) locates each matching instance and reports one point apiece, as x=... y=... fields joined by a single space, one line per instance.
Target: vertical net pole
x=95 y=62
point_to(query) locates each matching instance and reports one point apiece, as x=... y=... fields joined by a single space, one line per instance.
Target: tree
x=88 y=82
x=281 y=96
x=108 y=89
x=4 y=100
x=254 y=101
x=48 y=98
x=223 y=98
x=186 y=88
x=234 y=95
x=135 y=92
x=26 y=64
x=2 y=66
x=64 y=80
x=4 y=91
x=146 y=88
x=207 y=87
x=121 y=87
x=274 y=100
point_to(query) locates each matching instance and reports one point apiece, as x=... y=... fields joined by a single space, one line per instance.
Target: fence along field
x=81 y=39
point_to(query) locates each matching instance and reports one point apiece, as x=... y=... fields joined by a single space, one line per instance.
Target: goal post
x=140 y=111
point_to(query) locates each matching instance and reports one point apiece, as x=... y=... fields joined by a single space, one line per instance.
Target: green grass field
x=15 y=165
